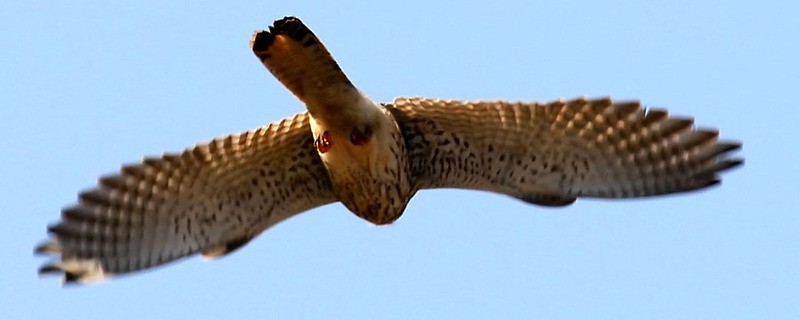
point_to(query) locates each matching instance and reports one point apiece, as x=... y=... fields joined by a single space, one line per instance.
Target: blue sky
x=87 y=86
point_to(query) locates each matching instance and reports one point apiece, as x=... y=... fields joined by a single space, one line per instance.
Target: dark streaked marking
x=359 y=137
x=309 y=42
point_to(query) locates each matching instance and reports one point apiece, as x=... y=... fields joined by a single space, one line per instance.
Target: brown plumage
x=550 y=154
x=215 y=197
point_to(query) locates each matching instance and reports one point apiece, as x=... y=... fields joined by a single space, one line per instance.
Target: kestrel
x=373 y=157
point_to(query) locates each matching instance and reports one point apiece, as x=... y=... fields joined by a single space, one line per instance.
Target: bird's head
x=365 y=157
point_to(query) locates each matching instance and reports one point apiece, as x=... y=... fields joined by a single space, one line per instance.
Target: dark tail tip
x=290 y=26
x=262 y=40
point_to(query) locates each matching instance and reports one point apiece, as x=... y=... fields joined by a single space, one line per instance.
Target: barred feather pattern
x=210 y=199
x=552 y=153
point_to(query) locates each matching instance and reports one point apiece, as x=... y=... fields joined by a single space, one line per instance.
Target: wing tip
x=731 y=163
x=710 y=177
x=49 y=247
x=729 y=146
x=75 y=271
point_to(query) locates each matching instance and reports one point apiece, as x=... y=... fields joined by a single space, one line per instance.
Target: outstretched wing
x=550 y=154
x=210 y=199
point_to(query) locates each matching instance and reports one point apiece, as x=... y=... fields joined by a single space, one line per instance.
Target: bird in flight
x=372 y=157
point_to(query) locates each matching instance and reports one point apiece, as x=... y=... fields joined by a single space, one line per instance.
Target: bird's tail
x=298 y=59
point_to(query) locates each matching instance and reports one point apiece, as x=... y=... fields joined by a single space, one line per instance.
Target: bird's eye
x=323 y=142
x=359 y=137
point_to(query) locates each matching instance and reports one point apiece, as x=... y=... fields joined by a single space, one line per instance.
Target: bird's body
x=366 y=158
x=372 y=157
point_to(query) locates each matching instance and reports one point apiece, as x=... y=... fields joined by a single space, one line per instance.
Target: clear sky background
x=87 y=86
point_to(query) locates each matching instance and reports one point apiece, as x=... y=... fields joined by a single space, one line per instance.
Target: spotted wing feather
x=550 y=154
x=210 y=199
